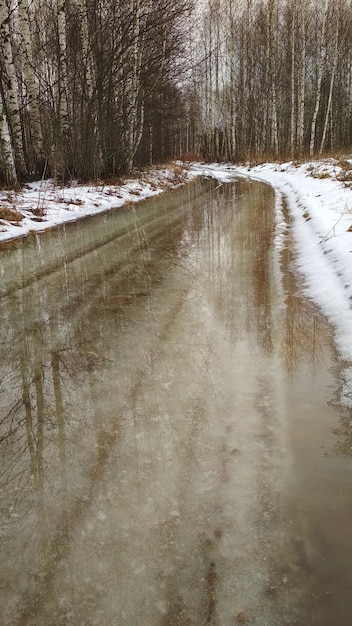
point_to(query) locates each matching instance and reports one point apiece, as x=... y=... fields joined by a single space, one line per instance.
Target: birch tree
x=7 y=159
x=36 y=138
x=272 y=61
x=232 y=112
x=336 y=45
x=64 y=123
x=320 y=68
x=11 y=92
x=303 y=16
x=134 y=90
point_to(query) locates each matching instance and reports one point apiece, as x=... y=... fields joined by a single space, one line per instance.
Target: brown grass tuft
x=10 y=215
x=114 y=181
x=344 y=164
x=190 y=157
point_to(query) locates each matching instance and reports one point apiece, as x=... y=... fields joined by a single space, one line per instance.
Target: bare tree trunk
x=302 y=78
x=208 y=83
x=272 y=52
x=32 y=90
x=319 y=79
x=90 y=81
x=216 y=104
x=133 y=83
x=232 y=89
x=11 y=92
x=8 y=162
x=293 y=120
x=86 y=51
x=331 y=87
x=63 y=82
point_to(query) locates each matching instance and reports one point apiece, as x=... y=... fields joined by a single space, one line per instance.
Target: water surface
x=171 y=450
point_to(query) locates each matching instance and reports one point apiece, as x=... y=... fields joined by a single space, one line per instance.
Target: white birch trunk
x=11 y=91
x=319 y=80
x=135 y=94
x=62 y=73
x=207 y=54
x=31 y=86
x=216 y=106
x=232 y=84
x=331 y=87
x=272 y=43
x=302 y=78
x=293 y=83
x=133 y=85
x=8 y=162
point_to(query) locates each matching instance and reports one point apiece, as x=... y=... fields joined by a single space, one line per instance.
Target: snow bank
x=319 y=199
x=44 y=204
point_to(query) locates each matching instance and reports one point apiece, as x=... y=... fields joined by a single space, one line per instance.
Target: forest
x=94 y=88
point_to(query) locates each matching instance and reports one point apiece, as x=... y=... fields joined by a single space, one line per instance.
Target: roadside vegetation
x=91 y=89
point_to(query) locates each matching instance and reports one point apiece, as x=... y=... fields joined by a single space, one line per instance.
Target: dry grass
x=320 y=175
x=68 y=201
x=190 y=157
x=345 y=165
x=344 y=176
x=114 y=181
x=10 y=215
x=38 y=212
x=152 y=184
x=178 y=174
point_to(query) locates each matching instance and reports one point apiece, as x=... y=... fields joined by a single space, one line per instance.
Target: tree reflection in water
x=124 y=346
x=60 y=293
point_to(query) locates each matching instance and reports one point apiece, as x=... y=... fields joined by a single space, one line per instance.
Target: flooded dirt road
x=171 y=451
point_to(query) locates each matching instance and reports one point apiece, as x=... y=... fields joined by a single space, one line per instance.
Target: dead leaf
x=242 y=618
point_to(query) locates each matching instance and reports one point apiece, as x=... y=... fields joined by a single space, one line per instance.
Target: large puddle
x=171 y=452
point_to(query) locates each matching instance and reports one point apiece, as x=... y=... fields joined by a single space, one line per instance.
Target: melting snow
x=44 y=204
x=318 y=197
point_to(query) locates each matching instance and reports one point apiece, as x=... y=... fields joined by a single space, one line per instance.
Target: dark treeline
x=91 y=88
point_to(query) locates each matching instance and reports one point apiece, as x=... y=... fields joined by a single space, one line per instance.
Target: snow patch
x=320 y=203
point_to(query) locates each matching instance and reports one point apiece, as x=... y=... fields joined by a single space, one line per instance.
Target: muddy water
x=171 y=449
